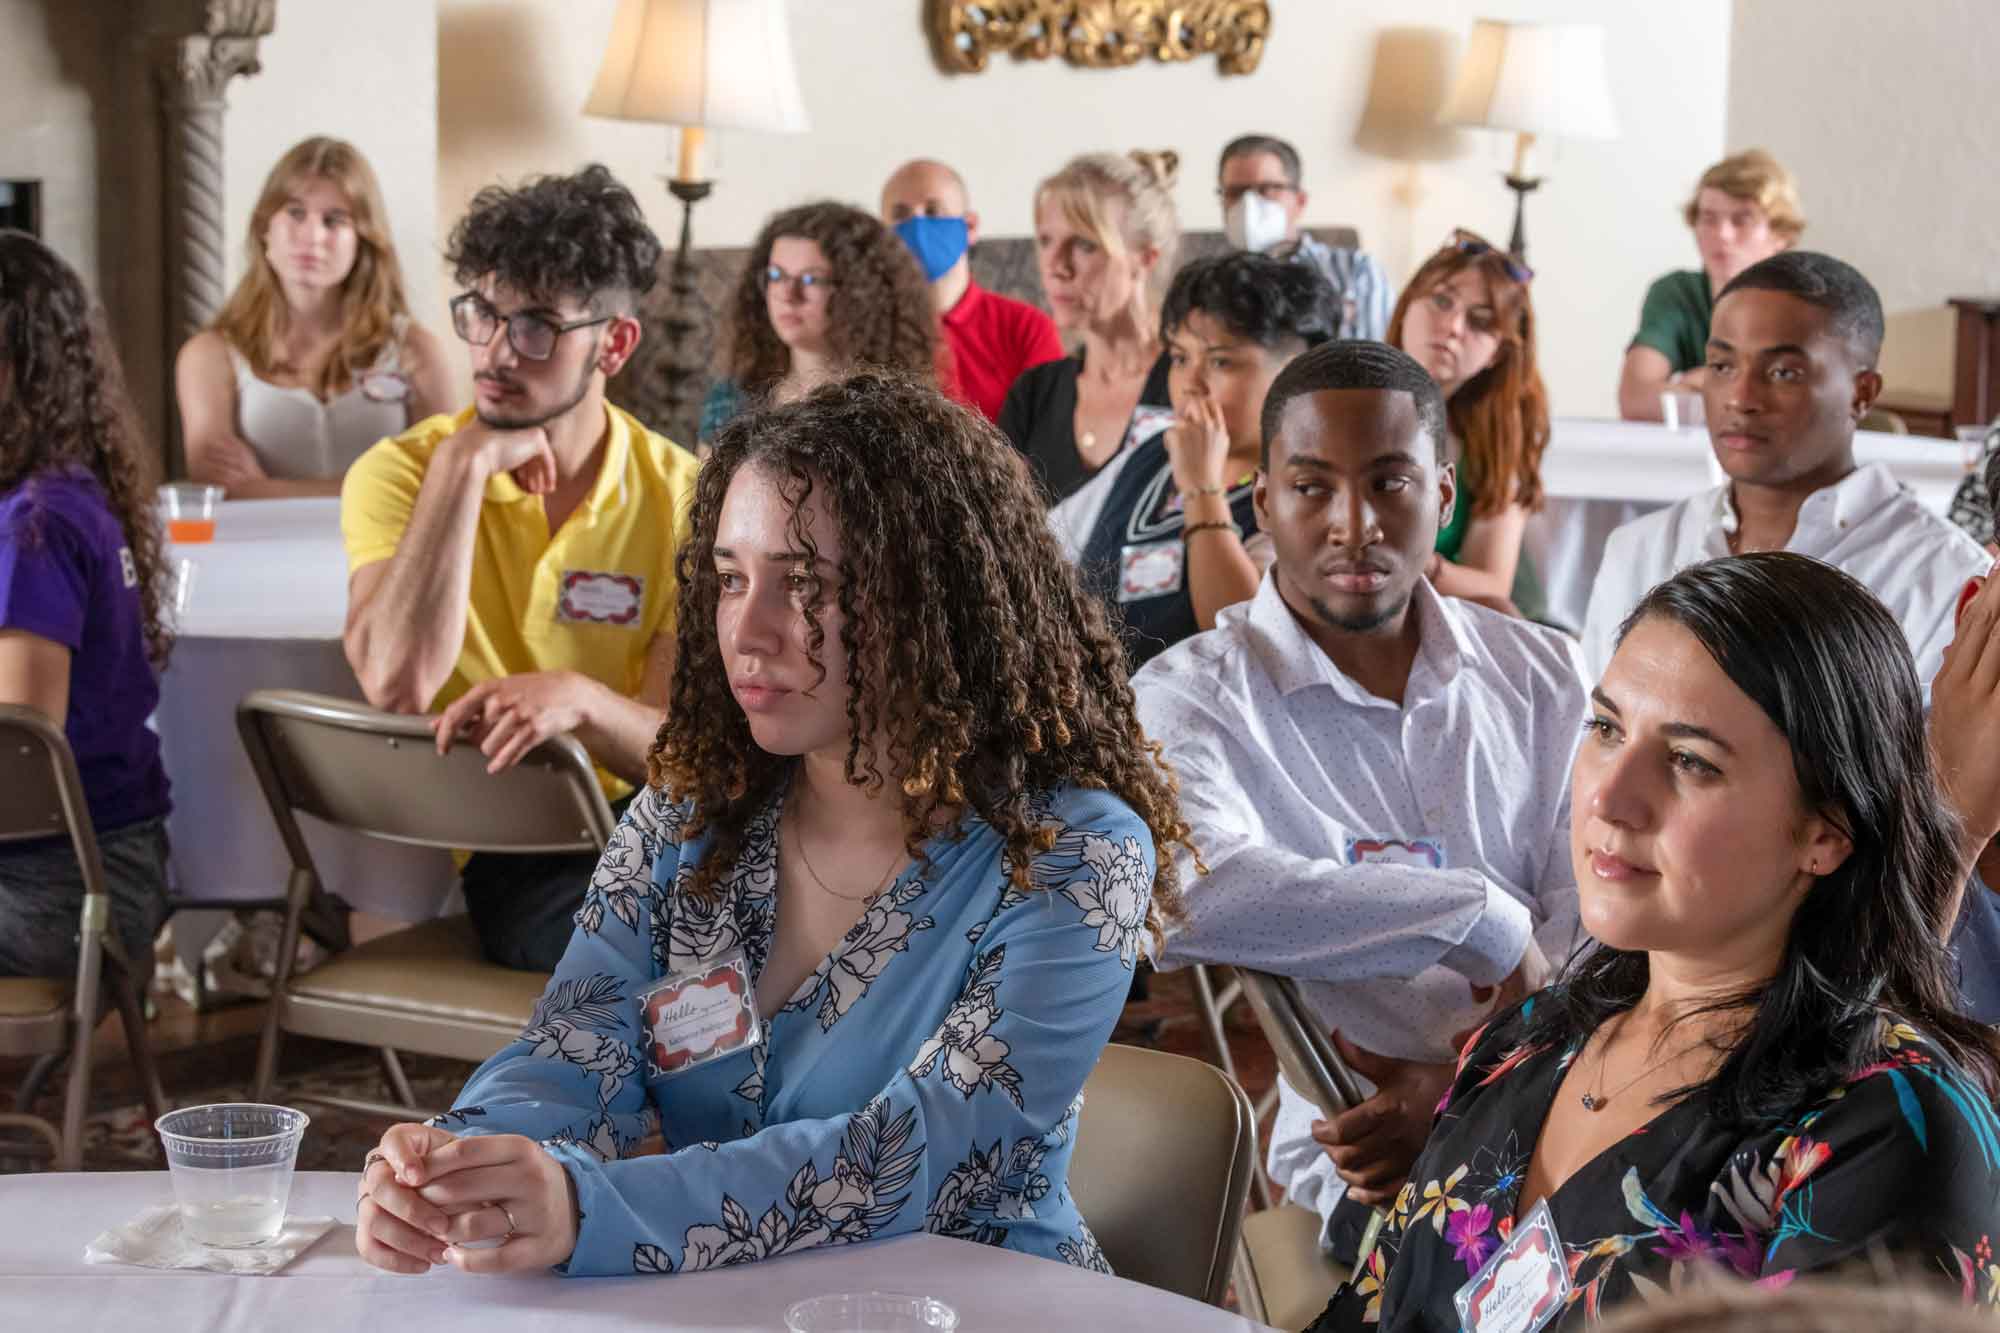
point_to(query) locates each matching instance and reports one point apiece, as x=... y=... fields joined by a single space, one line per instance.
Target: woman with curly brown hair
x=826 y=289
x=1468 y=318
x=82 y=608
x=856 y=949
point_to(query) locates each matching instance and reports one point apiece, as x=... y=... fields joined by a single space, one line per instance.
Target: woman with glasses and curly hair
x=827 y=289
x=854 y=951
x=1468 y=318
x=83 y=608
x=315 y=356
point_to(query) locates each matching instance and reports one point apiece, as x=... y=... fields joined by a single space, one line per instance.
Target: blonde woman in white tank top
x=314 y=357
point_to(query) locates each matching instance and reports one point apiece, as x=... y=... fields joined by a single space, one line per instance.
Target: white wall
x=1888 y=126
x=360 y=70
x=513 y=73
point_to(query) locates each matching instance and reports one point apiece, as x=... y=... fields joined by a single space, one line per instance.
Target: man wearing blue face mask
x=1262 y=200
x=993 y=338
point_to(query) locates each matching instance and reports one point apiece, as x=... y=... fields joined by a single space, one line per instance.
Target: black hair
x=582 y=236
x=1248 y=144
x=1354 y=364
x=1255 y=296
x=1990 y=481
x=1828 y=664
x=1821 y=280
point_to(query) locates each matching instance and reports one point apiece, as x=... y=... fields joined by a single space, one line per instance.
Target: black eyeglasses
x=1471 y=243
x=803 y=284
x=533 y=337
x=1272 y=190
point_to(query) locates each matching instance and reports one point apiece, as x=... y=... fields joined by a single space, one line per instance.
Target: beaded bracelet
x=1192 y=528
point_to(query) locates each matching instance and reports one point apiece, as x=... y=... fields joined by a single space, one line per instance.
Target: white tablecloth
x=47 y=1219
x=266 y=602
x=1600 y=474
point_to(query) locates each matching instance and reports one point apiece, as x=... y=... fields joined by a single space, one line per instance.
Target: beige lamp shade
x=1535 y=78
x=719 y=64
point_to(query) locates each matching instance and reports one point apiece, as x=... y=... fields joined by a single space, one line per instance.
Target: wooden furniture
x=1976 y=374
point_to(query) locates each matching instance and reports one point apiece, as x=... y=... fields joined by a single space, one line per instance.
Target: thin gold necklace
x=1597 y=1101
x=799 y=846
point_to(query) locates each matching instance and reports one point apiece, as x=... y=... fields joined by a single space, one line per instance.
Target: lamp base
x=682 y=366
x=1517 y=245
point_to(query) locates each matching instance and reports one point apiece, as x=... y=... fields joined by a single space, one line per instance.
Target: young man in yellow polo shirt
x=514 y=565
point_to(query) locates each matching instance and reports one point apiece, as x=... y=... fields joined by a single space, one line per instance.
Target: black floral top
x=1905 y=1156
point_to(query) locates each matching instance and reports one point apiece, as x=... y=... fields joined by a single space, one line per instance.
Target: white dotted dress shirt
x=1867 y=524
x=1388 y=855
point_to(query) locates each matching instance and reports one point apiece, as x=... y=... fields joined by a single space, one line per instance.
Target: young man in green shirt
x=1745 y=209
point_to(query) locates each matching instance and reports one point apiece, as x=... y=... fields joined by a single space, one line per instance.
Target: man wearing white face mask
x=1262 y=200
x=993 y=338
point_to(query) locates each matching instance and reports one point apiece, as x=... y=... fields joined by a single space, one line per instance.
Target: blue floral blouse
x=926 y=1076
x=1904 y=1157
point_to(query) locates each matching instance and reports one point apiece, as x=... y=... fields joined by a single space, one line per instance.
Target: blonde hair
x=1141 y=183
x=1755 y=177
x=372 y=293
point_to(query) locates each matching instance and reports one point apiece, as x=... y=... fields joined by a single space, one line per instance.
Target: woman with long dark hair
x=1468 y=316
x=827 y=290
x=1763 y=1067
x=83 y=598
x=903 y=844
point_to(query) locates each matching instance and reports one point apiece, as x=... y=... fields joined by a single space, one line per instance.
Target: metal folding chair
x=41 y=795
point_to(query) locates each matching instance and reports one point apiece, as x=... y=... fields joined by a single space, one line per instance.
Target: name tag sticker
x=384 y=386
x=699 y=1016
x=1523 y=1286
x=1150 y=570
x=595 y=598
x=1422 y=853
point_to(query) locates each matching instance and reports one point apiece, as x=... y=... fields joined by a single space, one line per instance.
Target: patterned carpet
x=118 y=1138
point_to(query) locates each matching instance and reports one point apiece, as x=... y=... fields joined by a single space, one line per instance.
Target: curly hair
x=1007 y=679
x=63 y=406
x=1502 y=413
x=371 y=295
x=879 y=313
x=582 y=236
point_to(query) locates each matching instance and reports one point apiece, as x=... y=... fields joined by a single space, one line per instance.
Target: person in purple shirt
x=82 y=597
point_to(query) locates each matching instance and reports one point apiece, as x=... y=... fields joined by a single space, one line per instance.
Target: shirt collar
x=962 y=311
x=607 y=492
x=1294 y=662
x=1826 y=514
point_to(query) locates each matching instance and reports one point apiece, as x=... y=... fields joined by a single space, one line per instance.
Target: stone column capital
x=195 y=69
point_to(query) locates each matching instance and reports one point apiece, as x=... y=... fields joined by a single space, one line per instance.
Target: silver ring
x=375 y=1155
x=511 y=1228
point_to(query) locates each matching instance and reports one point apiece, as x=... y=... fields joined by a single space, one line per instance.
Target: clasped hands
x=1374 y=1145
x=426 y=1194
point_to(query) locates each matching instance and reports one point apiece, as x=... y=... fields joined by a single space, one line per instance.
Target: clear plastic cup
x=1971 y=445
x=1683 y=409
x=189 y=509
x=871 y=1312
x=231 y=1164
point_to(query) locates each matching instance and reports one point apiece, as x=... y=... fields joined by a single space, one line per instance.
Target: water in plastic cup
x=1971 y=444
x=1683 y=409
x=231 y=1164
x=871 y=1312
x=189 y=509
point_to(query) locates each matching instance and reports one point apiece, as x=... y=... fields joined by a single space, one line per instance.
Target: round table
x=47 y=1219
x=263 y=607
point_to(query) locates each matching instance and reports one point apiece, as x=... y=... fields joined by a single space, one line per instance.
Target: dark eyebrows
x=1393 y=458
x=1676 y=730
x=1781 y=349
x=775 y=557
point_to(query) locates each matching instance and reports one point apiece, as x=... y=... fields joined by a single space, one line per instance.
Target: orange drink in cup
x=189 y=510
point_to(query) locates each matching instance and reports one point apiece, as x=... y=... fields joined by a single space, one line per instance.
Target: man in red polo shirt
x=993 y=338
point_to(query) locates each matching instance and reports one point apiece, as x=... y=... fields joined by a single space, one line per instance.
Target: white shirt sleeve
x=1315 y=918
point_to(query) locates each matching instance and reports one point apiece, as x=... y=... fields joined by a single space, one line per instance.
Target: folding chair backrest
x=380 y=774
x=1306 y=1056
x=41 y=793
x=1163 y=1159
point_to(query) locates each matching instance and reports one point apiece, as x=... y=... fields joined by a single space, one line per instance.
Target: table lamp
x=700 y=65
x=1536 y=79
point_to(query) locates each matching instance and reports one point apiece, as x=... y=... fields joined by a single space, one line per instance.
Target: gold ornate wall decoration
x=1099 y=34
